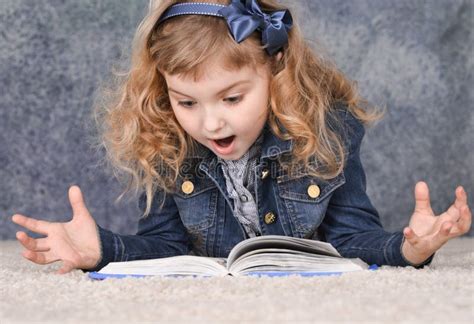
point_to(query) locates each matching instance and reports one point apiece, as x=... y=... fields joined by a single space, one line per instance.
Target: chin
x=228 y=157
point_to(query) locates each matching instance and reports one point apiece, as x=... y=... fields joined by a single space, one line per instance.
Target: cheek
x=251 y=122
x=258 y=108
x=179 y=113
x=184 y=119
x=261 y=99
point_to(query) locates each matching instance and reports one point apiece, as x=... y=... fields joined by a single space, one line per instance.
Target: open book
x=269 y=255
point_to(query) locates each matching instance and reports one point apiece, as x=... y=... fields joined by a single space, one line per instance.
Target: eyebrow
x=220 y=92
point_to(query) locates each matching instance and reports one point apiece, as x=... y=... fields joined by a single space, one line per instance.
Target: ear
x=275 y=62
x=279 y=55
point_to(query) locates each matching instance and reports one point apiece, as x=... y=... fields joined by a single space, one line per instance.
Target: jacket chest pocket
x=197 y=203
x=306 y=199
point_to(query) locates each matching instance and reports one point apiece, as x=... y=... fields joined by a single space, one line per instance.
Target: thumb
x=410 y=236
x=422 y=197
x=77 y=201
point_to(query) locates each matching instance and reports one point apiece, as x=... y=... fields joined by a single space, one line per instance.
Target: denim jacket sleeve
x=351 y=223
x=160 y=234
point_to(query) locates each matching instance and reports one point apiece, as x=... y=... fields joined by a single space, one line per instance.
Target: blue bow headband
x=243 y=18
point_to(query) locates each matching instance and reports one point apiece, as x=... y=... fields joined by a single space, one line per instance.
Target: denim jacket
x=197 y=219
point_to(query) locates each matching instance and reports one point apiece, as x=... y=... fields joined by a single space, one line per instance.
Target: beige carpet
x=441 y=293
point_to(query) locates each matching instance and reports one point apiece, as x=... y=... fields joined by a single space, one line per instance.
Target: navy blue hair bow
x=243 y=17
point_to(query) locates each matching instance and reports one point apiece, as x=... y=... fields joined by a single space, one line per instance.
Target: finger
x=443 y=234
x=39 y=257
x=461 y=197
x=32 y=224
x=410 y=236
x=422 y=197
x=66 y=267
x=453 y=214
x=37 y=245
x=464 y=223
x=77 y=201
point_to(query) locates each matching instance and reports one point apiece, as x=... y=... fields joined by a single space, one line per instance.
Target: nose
x=213 y=122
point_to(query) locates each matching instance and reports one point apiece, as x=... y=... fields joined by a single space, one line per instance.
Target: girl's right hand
x=76 y=242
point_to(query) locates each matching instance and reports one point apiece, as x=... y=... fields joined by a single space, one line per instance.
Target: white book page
x=280 y=241
x=177 y=265
x=288 y=260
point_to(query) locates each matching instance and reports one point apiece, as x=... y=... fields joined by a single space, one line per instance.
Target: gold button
x=314 y=191
x=265 y=173
x=187 y=187
x=270 y=218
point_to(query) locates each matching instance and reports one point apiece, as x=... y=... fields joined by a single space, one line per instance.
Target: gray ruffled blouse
x=240 y=184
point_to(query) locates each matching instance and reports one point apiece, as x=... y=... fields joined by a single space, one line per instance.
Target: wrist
x=98 y=259
x=412 y=256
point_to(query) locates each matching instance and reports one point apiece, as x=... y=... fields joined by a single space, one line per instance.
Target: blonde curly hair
x=143 y=140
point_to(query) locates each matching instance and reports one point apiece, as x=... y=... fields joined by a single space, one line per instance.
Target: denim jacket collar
x=272 y=145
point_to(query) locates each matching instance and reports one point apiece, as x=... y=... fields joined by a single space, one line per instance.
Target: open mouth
x=225 y=142
x=224 y=146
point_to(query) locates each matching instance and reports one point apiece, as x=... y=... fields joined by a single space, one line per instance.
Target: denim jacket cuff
x=395 y=255
x=107 y=249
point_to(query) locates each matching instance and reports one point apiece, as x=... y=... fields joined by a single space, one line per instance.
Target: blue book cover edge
x=101 y=276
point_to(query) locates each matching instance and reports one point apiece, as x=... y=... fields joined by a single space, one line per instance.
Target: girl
x=231 y=127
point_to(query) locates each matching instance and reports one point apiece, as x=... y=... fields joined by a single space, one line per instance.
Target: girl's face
x=222 y=104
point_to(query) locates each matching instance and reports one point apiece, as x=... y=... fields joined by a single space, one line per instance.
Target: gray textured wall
x=413 y=56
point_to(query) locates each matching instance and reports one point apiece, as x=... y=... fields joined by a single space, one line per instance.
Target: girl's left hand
x=426 y=233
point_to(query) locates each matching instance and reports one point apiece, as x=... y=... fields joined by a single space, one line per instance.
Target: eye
x=234 y=100
x=186 y=104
